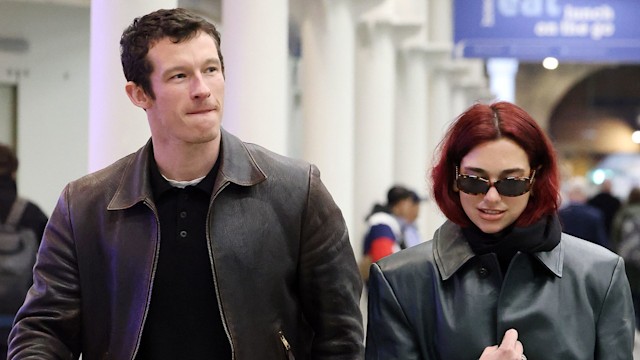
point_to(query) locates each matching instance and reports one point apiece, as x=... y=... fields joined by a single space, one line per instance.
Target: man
x=31 y=218
x=198 y=246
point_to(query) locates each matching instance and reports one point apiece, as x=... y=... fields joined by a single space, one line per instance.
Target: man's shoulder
x=266 y=157
x=102 y=183
x=240 y=153
x=109 y=173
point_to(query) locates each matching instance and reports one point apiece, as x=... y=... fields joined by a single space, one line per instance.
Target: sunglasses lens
x=512 y=187
x=472 y=185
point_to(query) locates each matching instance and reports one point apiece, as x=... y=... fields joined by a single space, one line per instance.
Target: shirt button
x=183 y=214
x=183 y=234
x=483 y=272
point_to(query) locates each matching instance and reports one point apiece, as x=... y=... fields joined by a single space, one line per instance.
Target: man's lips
x=201 y=111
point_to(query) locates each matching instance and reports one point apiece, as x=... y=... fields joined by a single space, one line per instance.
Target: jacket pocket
x=288 y=352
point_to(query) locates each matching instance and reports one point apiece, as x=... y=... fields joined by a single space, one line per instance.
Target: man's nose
x=200 y=89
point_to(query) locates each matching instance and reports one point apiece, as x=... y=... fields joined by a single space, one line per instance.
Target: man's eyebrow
x=179 y=68
x=213 y=60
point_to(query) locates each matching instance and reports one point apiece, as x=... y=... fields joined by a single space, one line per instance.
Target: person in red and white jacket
x=388 y=224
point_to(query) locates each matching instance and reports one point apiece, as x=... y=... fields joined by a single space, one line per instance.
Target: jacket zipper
x=215 y=273
x=150 y=285
x=286 y=345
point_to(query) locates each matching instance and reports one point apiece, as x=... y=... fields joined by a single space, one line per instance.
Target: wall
x=538 y=90
x=52 y=94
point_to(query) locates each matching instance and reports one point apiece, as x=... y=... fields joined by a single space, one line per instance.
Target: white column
x=254 y=46
x=440 y=113
x=440 y=36
x=502 y=78
x=458 y=73
x=439 y=117
x=327 y=68
x=412 y=133
x=116 y=127
x=475 y=85
x=374 y=141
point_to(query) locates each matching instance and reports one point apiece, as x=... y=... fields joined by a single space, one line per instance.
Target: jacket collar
x=451 y=250
x=238 y=166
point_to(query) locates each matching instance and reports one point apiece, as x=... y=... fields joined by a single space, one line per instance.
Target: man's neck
x=188 y=162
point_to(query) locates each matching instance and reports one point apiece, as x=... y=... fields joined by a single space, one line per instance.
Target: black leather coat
x=282 y=262
x=438 y=300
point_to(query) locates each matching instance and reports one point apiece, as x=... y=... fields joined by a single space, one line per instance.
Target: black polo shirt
x=183 y=320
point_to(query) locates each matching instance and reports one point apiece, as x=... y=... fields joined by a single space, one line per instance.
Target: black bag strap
x=15 y=214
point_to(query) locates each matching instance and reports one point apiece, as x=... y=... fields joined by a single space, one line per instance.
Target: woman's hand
x=510 y=348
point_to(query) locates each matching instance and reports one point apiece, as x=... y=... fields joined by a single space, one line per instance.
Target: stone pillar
x=502 y=78
x=255 y=48
x=440 y=35
x=412 y=156
x=375 y=116
x=440 y=115
x=116 y=127
x=327 y=68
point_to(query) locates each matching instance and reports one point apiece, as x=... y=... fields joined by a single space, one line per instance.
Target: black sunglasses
x=510 y=186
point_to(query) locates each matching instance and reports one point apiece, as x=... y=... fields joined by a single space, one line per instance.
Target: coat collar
x=451 y=250
x=238 y=166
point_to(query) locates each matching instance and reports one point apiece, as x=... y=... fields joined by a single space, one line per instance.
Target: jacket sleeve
x=48 y=324
x=616 y=323
x=329 y=280
x=389 y=335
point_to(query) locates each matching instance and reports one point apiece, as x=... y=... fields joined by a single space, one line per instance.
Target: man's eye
x=211 y=69
x=178 y=76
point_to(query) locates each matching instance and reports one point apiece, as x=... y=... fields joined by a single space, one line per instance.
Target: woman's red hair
x=479 y=124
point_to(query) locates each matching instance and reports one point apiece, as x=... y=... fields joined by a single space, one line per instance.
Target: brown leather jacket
x=284 y=270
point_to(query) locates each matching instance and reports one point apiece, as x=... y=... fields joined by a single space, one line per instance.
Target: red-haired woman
x=499 y=280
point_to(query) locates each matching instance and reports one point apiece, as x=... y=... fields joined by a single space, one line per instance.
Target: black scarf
x=543 y=235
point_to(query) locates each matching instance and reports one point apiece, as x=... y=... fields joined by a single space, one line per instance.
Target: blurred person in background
x=29 y=216
x=579 y=218
x=391 y=227
x=625 y=240
x=606 y=202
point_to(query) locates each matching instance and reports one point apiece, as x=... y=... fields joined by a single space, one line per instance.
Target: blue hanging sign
x=570 y=30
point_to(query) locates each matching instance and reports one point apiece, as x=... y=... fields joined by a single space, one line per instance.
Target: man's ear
x=137 y=95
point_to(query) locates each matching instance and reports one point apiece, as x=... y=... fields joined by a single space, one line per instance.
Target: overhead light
x=635 y=137
x=598 y=176
x=550 y=63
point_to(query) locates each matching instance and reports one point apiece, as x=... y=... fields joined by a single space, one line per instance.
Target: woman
x=499 y=280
